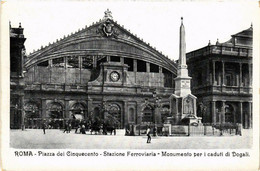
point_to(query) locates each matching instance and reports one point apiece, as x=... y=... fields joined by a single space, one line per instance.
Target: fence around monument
x=204 y=129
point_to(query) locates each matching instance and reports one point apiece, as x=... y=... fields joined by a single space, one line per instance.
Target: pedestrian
x=83 y=130
x=78 y=127
x=43 y=127
x=66 y=128
x=148 y=131
x=69 y=128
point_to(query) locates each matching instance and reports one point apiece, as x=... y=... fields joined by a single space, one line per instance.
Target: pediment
x=102 y=37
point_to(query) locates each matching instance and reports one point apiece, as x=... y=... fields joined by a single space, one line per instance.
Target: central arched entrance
x=77 y=114
x=114 y=111
x=56 y=115
x=78 y=111
x=32 y=116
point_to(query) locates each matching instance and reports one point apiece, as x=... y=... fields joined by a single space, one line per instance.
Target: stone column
x=223 y=73
x=135 y=65
x=80 y=62
x=122 y=60
x=43 y=106
x=222 y=118
x=148 y=71
x=22 y=111
x=108 y=58
x=157 y=114
x=213 y=111
x=95 y=61
x=124 y=118
x=65 y=59
x=50 y=69
x=21 y=63
x=250 y=114
x=147 y=67
x=90 y=107
x=67 y=108
x=240 y=75
x=241 y=112
x=161 y=76
x=213 y=75
x=250 y=74
x=139 y=112
x=208 y=73
x=135 y=68
x=80 y=67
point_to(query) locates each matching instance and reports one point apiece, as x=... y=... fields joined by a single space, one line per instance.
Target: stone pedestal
x=183 y=109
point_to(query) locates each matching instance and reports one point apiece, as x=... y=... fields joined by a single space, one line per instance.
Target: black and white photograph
x=131 y=80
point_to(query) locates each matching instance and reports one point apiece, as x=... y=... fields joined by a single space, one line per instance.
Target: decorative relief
x=107 y=29
x=188 y=105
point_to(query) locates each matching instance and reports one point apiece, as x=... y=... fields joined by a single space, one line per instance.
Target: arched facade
x=110 y=72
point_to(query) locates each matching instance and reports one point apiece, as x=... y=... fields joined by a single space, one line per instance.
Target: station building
x=101 y=68
x=104 y=68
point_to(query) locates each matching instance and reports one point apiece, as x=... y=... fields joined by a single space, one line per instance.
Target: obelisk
x=182 y=81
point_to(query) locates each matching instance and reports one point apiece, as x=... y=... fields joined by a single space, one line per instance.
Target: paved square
x=56 y=139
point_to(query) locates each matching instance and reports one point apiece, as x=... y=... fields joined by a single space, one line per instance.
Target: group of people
x=67 y=128
x=82 y=130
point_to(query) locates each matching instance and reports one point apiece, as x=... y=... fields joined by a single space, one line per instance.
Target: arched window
x=31 y=110
x=229 y=114
x=77 y=111
x=56 y=111
x=115 y=111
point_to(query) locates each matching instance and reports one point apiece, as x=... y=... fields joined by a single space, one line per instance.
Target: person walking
x=78 y=128
x=148 y=132
x=66 y=128
x=43 y=127
x=83 y=130
x=69 y=129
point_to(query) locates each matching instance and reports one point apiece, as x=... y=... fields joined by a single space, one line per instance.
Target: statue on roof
x=106 y=28
x=108 y=15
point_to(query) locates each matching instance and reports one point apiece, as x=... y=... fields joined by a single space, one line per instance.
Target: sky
x=157 y=23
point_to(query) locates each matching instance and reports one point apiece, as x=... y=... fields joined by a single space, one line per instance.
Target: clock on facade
x=114 y=76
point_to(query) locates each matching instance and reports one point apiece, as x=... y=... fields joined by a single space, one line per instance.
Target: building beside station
x=222 y=79
x=104 y=68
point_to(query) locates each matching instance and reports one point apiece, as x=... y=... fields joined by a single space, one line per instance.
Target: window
x=31 y=110
x=154 y=68
x=114 y=59
x=130 y=63
x=43 y=64
x=228 y=80
x=77 y=111
x=168 y=78
x=56 y=111
x=58 y=62
x=141 y=66
x=199 y=78
x=73 y=62
x=102 y=60
x=87 y=62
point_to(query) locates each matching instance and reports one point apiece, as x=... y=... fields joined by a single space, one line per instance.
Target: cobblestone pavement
x=56 y=139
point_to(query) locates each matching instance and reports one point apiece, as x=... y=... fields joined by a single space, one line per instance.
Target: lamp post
x=157 y=114
x=22 y=117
